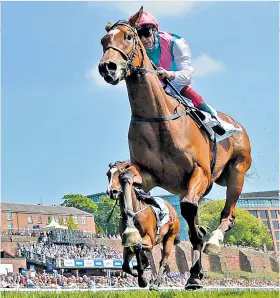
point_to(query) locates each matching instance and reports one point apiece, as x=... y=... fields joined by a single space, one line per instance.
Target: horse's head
x=114 y=188
x=122 y=50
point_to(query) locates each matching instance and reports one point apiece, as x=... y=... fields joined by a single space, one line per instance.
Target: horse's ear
x=110 y=165
x=134 y=20
x=108 y=27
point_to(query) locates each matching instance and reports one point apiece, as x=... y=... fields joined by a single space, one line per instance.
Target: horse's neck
x=146 y=95
x=135 y=203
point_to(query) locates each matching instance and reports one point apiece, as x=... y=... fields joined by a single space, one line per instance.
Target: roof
x=49 y=210
x=261 y=194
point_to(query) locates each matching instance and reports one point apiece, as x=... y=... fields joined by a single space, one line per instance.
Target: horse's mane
x=121 y=162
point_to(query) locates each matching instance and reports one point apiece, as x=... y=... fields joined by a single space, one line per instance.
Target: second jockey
x=172 y=55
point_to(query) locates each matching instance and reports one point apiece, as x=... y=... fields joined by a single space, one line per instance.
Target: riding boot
x=224 y=129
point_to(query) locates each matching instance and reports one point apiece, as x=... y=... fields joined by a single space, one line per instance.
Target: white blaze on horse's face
x=116 y=46
x=112 y=188
x=113 y=32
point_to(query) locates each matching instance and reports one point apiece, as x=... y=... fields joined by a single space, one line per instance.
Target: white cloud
x=156 y=7
x=95 y=78
x=205 y=65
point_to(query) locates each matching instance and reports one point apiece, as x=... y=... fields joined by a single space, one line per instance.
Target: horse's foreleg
x=234 y=188
x=146 y=245
x=168 y=243
x=189 y=207
x=142 y=282
x=127 y=256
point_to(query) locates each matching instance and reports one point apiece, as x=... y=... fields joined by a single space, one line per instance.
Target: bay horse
x=172 y=154
x=120 y=174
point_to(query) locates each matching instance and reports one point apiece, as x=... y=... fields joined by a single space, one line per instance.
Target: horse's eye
x=129 y=37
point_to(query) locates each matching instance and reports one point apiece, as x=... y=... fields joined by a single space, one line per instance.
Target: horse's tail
x=177 y=240
x=252 y=172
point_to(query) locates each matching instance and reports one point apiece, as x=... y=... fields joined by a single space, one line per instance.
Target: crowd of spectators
x=120 y=280
x=44 y=251
x=37 y=232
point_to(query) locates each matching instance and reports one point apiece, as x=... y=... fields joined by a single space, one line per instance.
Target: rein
x=133 y=214
x=140 y=70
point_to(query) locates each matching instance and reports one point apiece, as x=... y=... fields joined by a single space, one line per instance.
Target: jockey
x=171 y=54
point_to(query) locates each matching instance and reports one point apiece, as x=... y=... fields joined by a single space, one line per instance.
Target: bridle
x=131 y=57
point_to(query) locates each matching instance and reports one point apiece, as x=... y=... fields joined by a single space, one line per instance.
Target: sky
x=62 y=124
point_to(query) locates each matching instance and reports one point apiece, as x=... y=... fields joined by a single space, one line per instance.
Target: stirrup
x=226 y=135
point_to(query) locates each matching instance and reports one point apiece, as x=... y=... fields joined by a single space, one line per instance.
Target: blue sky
x=62 y=125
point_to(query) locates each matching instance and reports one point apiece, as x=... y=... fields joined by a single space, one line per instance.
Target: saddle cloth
x=162 y=214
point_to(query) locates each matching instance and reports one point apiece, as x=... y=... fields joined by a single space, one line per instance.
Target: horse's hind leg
x=189 y=208
x=168 y=243
x=234 y=187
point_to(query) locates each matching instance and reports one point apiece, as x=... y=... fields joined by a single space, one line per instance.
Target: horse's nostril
x=102 y=68
x=115 y=191
x=112 y=66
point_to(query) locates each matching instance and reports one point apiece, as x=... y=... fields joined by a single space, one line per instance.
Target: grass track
x=146 y=294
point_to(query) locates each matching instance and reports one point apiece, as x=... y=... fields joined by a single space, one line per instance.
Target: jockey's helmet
x=147 y=20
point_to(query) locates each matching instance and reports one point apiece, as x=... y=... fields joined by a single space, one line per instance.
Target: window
x=39 y=219
x=75 y=218
x=277 y=234
x=84 y=220
x=276 y=224
x=254 y=212
x=30 y=220
x=265 y=222
x=9 y=216
x=263 y=213
x=10 y=227
x=273 y=213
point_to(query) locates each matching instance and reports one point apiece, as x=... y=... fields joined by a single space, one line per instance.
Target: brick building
x=27 y=217
x=265 y=206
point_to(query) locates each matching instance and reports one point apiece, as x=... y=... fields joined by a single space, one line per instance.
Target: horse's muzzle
x=111 y=72
x=113 y=194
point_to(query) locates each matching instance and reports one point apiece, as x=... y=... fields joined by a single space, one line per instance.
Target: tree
x=248 y=230
x=60 y=221
x=105 y=206
x=71 y=224
x=80 y=202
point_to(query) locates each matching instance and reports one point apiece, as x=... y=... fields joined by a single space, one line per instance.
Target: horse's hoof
x=190 y=287
x=142 y=282
x=153 y=287
x=131 y=237
x=193 y=284
x=212 y=249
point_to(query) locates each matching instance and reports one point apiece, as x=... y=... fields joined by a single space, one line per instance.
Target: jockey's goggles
x=146 y=32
